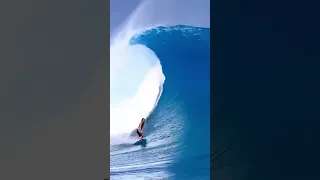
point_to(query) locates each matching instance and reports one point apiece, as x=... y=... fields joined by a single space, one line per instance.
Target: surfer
x=139 y=130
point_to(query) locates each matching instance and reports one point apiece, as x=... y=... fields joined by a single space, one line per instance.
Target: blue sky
x=119 y=10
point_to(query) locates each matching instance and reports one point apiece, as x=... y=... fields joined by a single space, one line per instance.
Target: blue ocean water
x=177 y=131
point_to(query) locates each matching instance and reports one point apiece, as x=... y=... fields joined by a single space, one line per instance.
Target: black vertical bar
x=54 y=94
x=264 y=90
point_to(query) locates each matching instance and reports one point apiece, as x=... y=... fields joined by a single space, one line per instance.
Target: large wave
x=152 y=60
x=136 y=73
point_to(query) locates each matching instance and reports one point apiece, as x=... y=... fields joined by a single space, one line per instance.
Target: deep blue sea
x=178 y=129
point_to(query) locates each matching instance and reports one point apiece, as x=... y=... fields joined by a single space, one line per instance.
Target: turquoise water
x=178 y=130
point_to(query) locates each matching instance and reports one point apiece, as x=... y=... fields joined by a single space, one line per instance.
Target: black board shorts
x=139 y=134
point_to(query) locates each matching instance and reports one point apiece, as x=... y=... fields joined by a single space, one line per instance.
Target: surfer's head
x=142 y=120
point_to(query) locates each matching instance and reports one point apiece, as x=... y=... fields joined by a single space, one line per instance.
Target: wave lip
x=154 y=13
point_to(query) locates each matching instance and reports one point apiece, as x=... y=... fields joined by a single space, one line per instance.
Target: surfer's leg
x=140 y=135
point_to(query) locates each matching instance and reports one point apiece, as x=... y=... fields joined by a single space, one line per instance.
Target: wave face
x=162 y=74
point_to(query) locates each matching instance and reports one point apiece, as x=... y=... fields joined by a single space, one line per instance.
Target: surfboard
x=141 y=142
